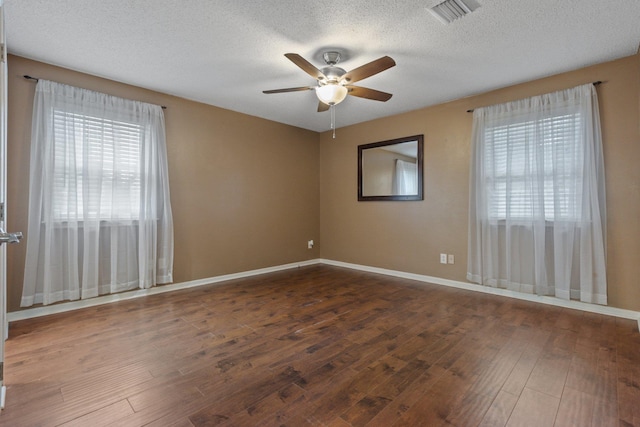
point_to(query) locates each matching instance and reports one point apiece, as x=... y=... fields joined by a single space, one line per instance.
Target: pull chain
x=333 y=119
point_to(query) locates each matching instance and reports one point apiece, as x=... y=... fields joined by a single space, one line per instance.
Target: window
x=534 y=167
x=100 y=173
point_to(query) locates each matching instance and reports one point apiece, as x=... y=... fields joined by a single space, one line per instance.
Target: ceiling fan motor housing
x=333 y=74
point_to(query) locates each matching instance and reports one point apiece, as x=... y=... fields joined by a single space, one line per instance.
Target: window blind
x=96 y=167
x=516 y=152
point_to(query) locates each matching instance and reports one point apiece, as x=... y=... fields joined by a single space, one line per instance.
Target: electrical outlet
x=443 y=258
x=310 y=244
x=450 y=259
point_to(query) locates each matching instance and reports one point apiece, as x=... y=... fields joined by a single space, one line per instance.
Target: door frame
x=4 y=325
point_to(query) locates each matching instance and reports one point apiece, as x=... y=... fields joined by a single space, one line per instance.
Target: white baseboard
x=106 y=299
x=575 y=305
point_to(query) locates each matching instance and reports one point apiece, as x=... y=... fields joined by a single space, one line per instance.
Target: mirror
x=391 y=170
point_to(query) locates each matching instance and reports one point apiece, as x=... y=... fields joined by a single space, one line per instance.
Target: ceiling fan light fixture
x=331 y=94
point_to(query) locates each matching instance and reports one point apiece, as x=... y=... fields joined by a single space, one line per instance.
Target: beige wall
x=369 y=233
x=244 y=191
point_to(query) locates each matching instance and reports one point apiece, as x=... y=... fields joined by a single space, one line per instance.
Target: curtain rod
x=593 y=83
x=36 y=79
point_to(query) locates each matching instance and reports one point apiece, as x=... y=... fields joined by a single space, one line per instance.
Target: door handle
x=10 y=237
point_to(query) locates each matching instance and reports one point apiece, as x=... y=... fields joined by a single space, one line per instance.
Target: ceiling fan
x=335 y=83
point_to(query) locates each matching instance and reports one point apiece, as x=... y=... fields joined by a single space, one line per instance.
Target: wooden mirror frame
x=420 y=161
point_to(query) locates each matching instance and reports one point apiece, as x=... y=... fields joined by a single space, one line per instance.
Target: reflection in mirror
x=391 y=170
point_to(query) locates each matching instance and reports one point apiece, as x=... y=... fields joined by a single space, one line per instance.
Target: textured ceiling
x=224 y=53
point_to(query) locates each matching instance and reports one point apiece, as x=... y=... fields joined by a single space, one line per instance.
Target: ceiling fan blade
x=322 y=107
x=306 y=66
x=291 y=89
x=369 y=69
x=363 y=92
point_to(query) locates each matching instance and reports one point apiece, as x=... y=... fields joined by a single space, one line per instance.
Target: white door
x=4 y=237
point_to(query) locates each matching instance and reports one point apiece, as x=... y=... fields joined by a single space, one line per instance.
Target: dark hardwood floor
x=322 y=345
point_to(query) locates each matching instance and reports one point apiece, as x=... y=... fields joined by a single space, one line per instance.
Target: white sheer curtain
x=99 y=214
x=405 y=180
x=537 y=197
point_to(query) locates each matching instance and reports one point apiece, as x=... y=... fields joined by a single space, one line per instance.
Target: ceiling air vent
x=450 y=10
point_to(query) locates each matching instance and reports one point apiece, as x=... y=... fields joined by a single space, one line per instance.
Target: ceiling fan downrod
x=331 y=58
